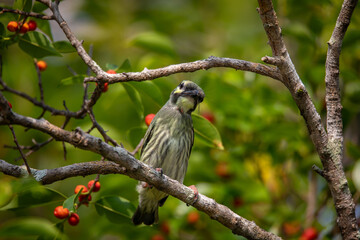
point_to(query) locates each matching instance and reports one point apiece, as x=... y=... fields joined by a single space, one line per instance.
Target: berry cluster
x=84 y=197
x=23 y=28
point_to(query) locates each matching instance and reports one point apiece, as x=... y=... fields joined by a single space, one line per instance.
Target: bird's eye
x=181 y=85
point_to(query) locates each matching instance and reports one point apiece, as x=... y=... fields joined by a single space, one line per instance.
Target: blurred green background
x=264 y=174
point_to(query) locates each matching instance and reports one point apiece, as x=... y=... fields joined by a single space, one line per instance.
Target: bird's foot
x=196 y=193
x=160 y=171
x=146 y=185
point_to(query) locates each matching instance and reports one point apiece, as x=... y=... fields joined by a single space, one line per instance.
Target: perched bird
x=167 y=145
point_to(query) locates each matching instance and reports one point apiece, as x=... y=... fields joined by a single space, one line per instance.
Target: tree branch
x=210 y=62
x=134 y=169
x=27 y=14
x=330 y=151
x=48 y=176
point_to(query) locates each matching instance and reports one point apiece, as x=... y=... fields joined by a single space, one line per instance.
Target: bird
x=167 y=146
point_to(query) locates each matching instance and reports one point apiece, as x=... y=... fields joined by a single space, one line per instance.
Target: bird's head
x=186 y=96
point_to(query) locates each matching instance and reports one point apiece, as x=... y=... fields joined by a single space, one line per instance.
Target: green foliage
x=263 y=171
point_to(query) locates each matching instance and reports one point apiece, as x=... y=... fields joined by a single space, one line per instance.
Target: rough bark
x=329 y=145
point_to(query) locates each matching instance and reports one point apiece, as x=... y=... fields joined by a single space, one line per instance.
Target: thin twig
x=138 y=147
x=21 y=153
x=28 y=14
x=100 y=129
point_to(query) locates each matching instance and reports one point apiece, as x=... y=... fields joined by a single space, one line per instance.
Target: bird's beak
x=198 y=95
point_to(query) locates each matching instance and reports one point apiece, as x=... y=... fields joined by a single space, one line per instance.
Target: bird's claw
x=160 y=171
x=146 y=185
x=196 y=193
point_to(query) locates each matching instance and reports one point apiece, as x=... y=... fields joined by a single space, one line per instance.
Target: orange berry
x=111 y=71
x=165 y=228
x=12 y=26
x=79 y=187
x=222 y=170
x=24 y=28
x=32 y=25
x=42 y=65
x=157 y=237
x=149 y=118
x=291 y=228
x=74 y=219
x=61 y=212
x=96 y=187
x=193 y=217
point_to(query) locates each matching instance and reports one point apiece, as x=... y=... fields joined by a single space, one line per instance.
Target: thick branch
x=330 y=152
x=141 y=172
x=333 y=98
x=211 y=62
x=48 y=176
x=344 y=203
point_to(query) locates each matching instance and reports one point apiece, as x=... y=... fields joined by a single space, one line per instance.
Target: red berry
x=73 y=219
x=238 y=202
x=309 y=234
x=32 y=25
x=111 y=71
x=209 y=116
x=106 y=87
x=149 y=118
x=79 y=187
x=165 y=228
x=193 y=217
x=9 y=104
x=222 y=170
x=157 y=237
x=12 y=26
x=24 y=28
x=42 y=65
x=96 y=187
x=82 y=197
x=61 y=212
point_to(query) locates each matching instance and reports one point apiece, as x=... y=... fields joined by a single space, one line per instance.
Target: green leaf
x=134 y=135
x=72 y=80
x=37 y=45
x=2 y=29
x=39 y=7
x=24 y=5
x=148 y=88
x=34 y=196
x=110 y=66
x=69 y=203
x=64 y=47
x=125 y=66
x=206 y=132
x=135 y=98
x=116 y=209
x=29 y=227
x=6 y=193
x=44 y=26
x=154 y=41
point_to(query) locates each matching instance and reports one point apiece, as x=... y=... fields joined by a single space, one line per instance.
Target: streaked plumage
x=167 y=145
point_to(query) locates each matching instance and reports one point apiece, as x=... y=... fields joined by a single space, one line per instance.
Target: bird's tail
x=145 y=215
